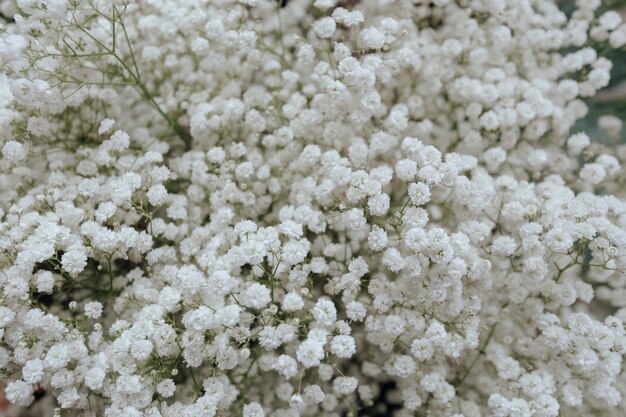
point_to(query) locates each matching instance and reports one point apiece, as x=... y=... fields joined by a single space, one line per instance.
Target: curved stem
x=481 y=352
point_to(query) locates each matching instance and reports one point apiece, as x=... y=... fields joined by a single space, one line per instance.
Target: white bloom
x=292 y=302
x=221 y=203
x=166 y=388
x=33 y=371
x=157 y=194
x=286 y=366
x=13 y=151
x=105 y=126
x=20 y=393
x=310 y=353
x=576 y=143
x=314 y=394
x=256 y=296
x=373 y=38
x=343 y=346
x=419 y=193
x=406 y=169
x=94 y=378
x=422 y=349
x=93 y=309
x=44 y=281
x=345 y=385
x=325 y=27
x=324 y=312
x=253 y=410
x=74 y=261
x=57 y=356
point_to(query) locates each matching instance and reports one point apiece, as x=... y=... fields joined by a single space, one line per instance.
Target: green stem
x=195 y=383
x=136 y=76
x=110 y=275
x=481 y=352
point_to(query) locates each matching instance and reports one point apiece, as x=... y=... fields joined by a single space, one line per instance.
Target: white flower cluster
x=296 y=208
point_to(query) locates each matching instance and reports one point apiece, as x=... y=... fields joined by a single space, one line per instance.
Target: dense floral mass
x=319 y=208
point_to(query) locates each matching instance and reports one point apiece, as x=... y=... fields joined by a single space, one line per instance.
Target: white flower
x=13 y=151
x=105 y=126
x=610 y=20
x=294 y=252
x=94 y=378
x=422 y=349
x=118 y=142
x=253 y=410
x=33 y=371
x=44 y=281
x=576 y=143
x=20 y=393
x=378 y=205
x=296 y=403
x=93 y=309
x=292 y=302
x=373 y=38
x=489 y=120
x=324 y=312
x=504 y=246
x=324 y=4
x=141 y=349
x=394 y=325
x=310 y=353
x=247 y=199
x=325 y=27
x=314 y=394
x=157 y=194
x=343 y=346
x=286 y=366
x=403 y=366
x=406 y=169
x=57 y=356
x=419 y=193
x=166 y=388
x=356 y=311
x=345 y=384
x=74 y=261
x=393 y=259
x=593 y=173
x=255 y=296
